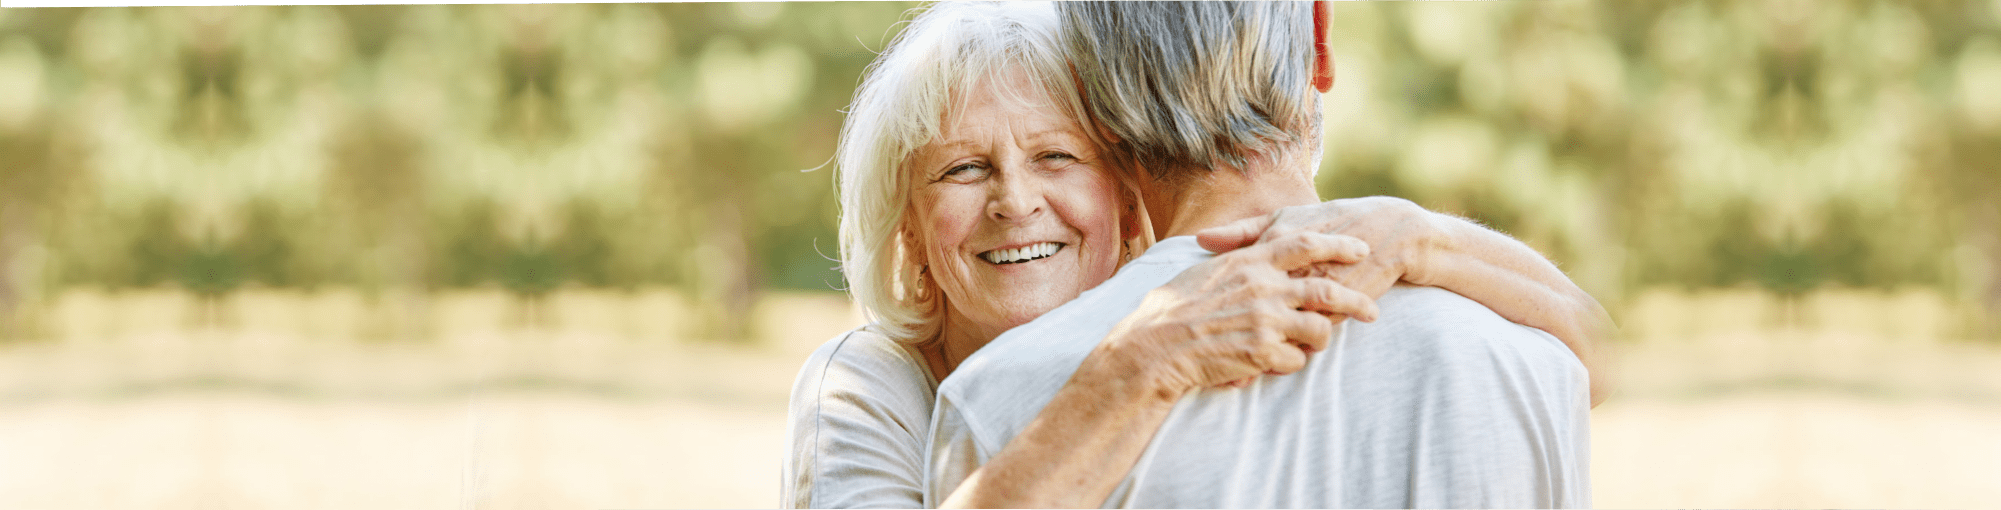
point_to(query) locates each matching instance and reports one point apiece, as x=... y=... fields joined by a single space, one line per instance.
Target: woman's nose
x=1017 y=196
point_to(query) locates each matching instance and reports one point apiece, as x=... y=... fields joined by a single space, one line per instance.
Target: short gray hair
x=949 y=48
x=1185 y=85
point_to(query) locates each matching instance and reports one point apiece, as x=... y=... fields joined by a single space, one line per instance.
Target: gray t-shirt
x=861 y=408
x=1439 y=403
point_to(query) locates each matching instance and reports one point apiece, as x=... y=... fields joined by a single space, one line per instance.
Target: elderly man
x=1440 y=402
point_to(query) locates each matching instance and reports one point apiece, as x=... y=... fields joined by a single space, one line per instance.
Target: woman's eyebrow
x=937 y=148
x=1073 y=142
x=1067 y=132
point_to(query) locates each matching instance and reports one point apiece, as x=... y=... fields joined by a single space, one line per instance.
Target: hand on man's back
x=1398 y=231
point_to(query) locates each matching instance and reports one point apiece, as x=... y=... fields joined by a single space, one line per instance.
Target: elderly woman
x=976 y=196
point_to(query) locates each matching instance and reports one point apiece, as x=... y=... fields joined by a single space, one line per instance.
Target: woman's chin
x=1041 y=281
x=1016 y=310
x=1019 y=318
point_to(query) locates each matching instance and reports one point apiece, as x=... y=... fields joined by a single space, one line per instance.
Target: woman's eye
x=1057 y=156
x=965 y=173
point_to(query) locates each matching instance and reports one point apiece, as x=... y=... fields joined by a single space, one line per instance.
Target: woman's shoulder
x=860 y=409
x=865 y=362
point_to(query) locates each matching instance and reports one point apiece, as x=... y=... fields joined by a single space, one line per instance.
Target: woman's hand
x=1401 y=236
x=1231 y=318
x=1418 y=246
x=1235 y=317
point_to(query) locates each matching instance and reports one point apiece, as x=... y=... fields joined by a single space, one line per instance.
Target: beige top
x=856 y=429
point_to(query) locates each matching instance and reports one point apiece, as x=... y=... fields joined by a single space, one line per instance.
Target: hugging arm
x=1230 y=318
x=1224 y=321
x=1412 y=244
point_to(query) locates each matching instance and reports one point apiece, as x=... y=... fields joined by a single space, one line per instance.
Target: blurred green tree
x=1688 y=143
x=407 y=149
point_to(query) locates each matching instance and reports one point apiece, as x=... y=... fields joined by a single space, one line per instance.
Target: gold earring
x=924 y=279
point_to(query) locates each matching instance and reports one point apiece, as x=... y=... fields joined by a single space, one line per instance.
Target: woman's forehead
x=1026 y=111
x=1012 y=95
x=1011 y=86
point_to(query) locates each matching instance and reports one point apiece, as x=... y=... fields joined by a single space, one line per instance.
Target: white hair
x=949 y=48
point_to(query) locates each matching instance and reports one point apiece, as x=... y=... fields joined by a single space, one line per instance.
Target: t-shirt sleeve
x=954 y=454
x=854 y=432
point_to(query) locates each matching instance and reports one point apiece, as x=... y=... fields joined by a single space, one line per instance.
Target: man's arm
x=1412 y=244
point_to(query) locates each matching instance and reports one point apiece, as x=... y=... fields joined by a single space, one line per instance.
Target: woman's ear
x=914 y=270
x=1129 y=217
x=1135 y=222
x=1323 y=58
x=907 y=243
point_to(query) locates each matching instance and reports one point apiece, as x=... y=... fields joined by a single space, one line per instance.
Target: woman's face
x=1013 y=209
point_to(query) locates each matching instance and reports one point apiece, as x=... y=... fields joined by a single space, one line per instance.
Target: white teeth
x=1022 y=254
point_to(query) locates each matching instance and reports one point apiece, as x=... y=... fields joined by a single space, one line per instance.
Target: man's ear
x=1323 y=58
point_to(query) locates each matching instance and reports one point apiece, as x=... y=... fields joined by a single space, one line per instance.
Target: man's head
x=1187 y=86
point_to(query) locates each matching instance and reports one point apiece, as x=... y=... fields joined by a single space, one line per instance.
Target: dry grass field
x=1726 y=400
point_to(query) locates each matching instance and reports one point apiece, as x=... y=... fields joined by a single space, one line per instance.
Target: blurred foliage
x=406 y=148
x=1784 y=145
x=399 y=149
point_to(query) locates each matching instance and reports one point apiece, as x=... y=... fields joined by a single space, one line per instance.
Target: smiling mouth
x=1022 y=254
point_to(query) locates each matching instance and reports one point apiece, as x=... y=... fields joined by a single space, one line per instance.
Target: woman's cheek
x=1098 y=209
x=948 y=219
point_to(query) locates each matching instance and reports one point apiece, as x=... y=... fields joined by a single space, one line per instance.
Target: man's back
x=1439 y=403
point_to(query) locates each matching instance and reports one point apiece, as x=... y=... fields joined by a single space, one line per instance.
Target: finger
x=1307 y=331
x=1233 y=235
x=1330 y=298
x=1305 y=248
x=1277 y=355
x=1369 y=277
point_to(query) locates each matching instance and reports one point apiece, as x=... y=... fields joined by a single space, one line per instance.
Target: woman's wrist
x=1099 y=423
x=1426 y=252
x=1116 y=373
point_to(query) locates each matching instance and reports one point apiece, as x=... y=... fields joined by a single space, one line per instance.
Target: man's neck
x=1223 y=195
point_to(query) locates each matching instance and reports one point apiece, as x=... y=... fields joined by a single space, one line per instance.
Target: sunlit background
x=570 y=256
